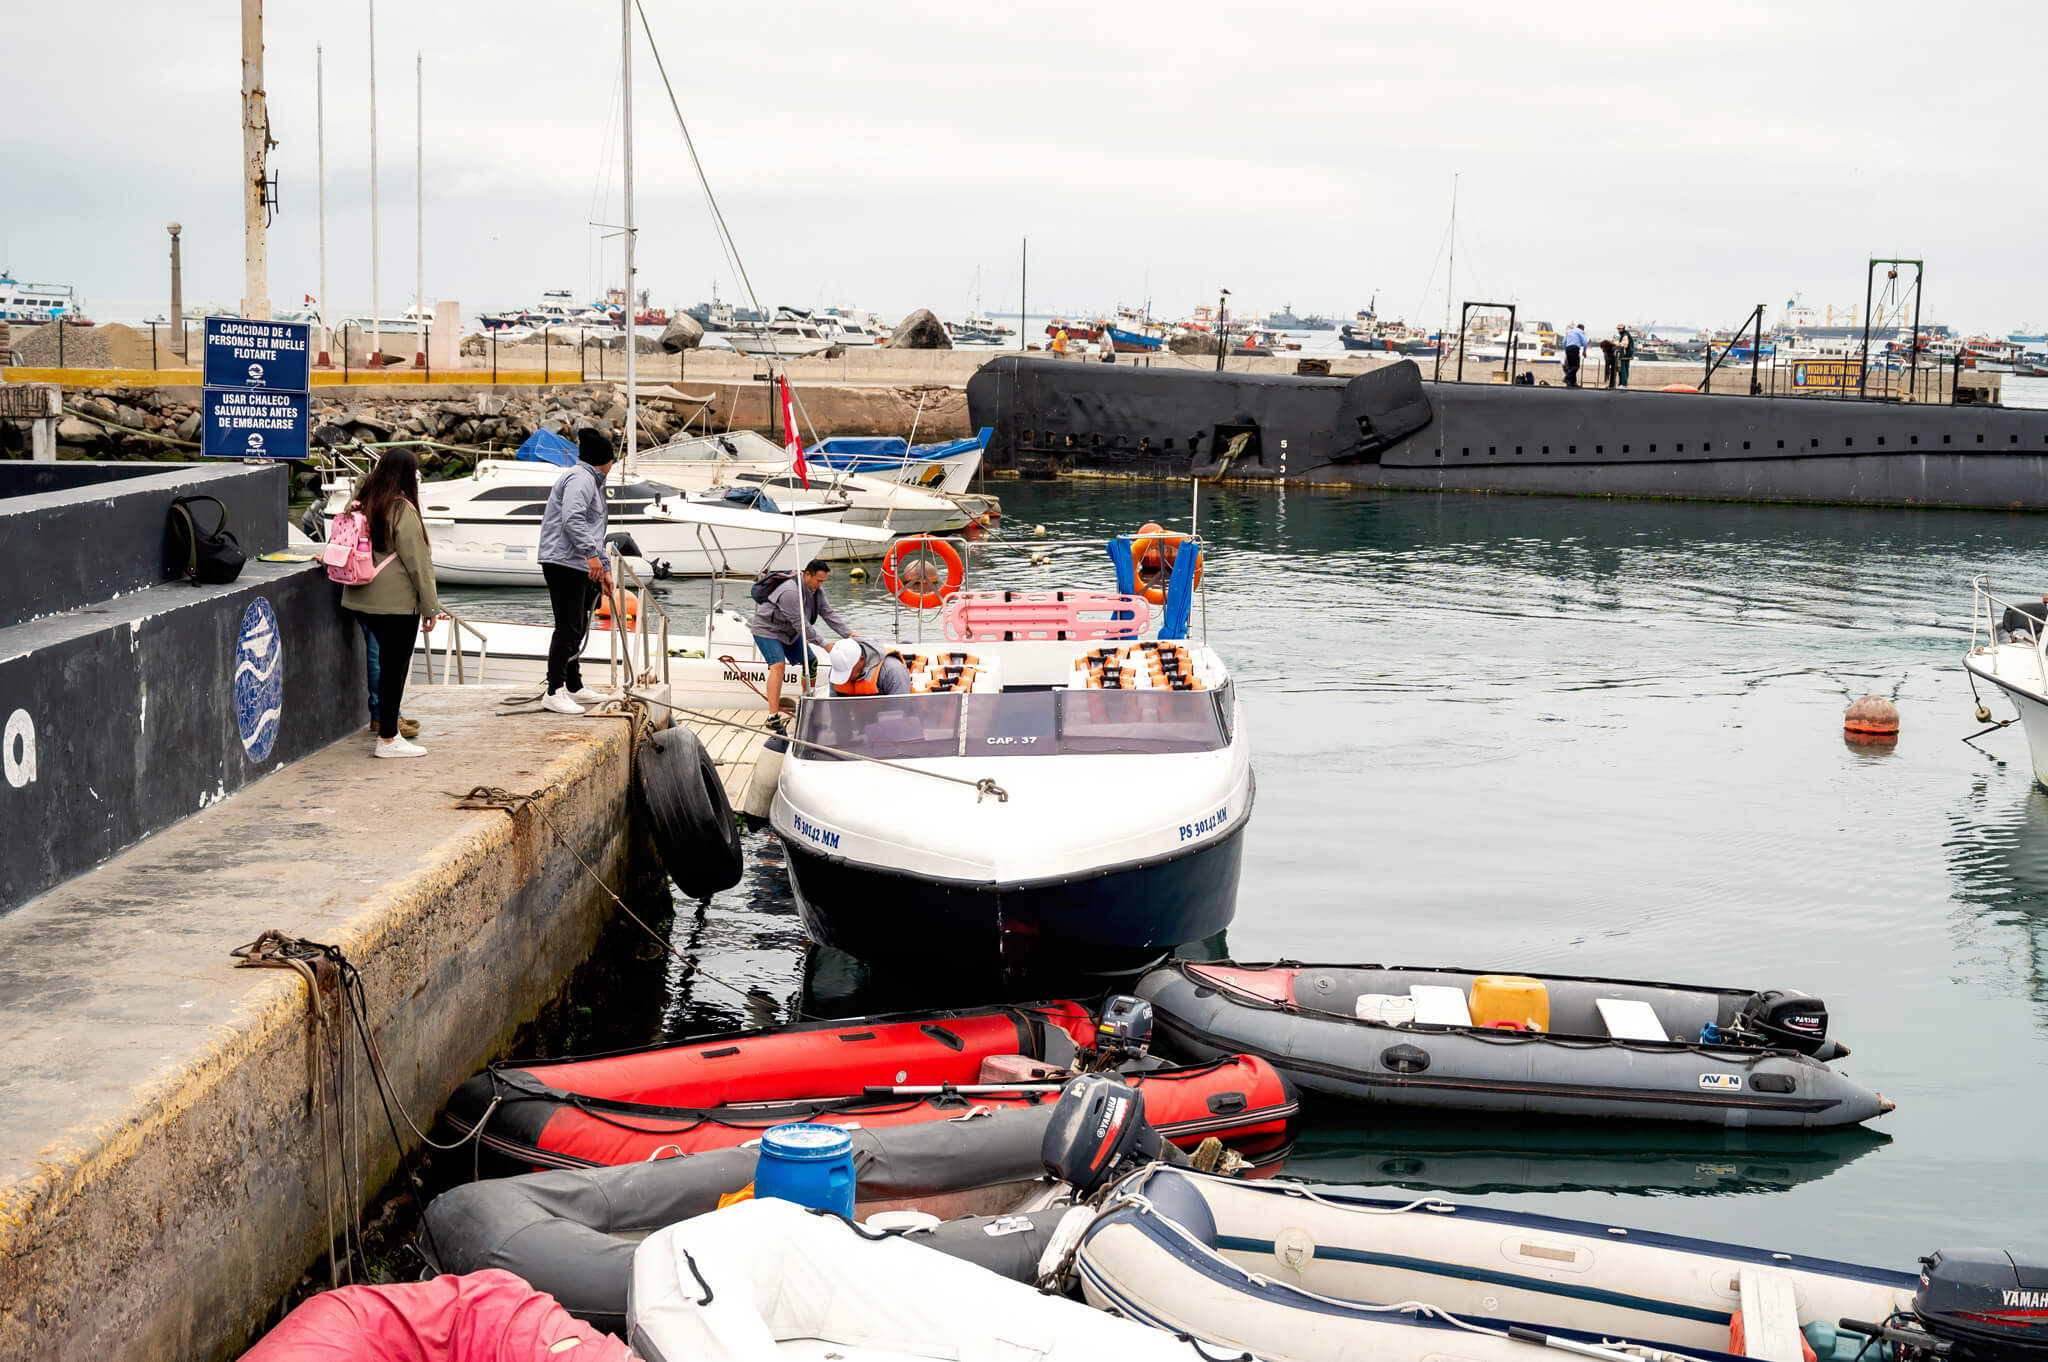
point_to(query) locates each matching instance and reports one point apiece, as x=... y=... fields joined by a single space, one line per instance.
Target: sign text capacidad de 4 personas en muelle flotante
x=255 y=403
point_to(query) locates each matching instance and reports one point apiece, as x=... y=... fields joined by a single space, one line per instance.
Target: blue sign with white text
x=248 y=423
x=252 y=354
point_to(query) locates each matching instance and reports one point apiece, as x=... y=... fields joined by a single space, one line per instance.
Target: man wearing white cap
x=861 y=668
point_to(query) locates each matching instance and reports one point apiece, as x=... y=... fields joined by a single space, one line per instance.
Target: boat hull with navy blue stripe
x=1290 y=1276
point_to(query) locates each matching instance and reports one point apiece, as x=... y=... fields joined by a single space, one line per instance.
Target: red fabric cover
x=489 y=1316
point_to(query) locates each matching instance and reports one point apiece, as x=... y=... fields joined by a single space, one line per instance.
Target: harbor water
x=1586 y=737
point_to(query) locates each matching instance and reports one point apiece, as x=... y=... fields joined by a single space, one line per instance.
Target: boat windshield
x=1019 y=723
x=886 y=726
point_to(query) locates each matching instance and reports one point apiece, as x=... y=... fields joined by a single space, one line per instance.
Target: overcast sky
x=1640 y=161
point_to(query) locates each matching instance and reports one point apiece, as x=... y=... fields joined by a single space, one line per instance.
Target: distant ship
x=23 y=304
x=1285 y=320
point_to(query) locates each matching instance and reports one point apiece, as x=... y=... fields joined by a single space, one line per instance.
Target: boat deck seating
x=1769 y=1319
x=1012 y=616
x=1578 y=1007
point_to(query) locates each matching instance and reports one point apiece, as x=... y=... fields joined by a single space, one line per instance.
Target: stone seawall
x=163 y=1180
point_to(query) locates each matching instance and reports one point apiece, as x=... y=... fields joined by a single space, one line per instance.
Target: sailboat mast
x=419 y=209
x=376 y=313
x=626 y=104
x=1451 y=276
x=320 y=145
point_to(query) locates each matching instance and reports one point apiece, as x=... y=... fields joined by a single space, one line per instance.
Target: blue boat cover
x=1126 y=567
x=544 y=446
x=884 y=446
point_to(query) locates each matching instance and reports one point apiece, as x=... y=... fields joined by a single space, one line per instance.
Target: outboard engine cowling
x=1124 y=1031
x=1988 y=1305
x=1097 y=1130
x=1788 y=1017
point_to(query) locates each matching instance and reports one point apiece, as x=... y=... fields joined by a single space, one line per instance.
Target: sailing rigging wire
x=725 y=240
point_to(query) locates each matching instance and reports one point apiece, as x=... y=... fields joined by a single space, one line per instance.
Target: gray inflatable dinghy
x=572 y=1233
x=1556 y=1044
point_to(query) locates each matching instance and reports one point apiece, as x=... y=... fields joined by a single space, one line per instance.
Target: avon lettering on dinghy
x=1203 y=826
x=824 y=837
x=1721 y=1082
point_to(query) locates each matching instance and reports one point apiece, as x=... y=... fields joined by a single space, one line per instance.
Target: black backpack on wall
x=203 y=558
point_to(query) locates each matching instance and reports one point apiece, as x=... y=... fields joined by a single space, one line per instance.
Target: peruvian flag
x=791 y=440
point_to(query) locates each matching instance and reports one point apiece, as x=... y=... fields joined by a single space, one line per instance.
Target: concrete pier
x=162 y=1172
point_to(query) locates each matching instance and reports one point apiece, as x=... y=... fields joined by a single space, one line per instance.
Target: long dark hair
x=396 y=475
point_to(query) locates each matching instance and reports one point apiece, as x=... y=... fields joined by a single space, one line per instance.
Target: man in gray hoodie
x=572 y=559
x=778 y=625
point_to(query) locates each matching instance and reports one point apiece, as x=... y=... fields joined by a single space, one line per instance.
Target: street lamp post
x=177 y=291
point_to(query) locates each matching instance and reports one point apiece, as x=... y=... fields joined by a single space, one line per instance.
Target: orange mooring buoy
x=1871 y=719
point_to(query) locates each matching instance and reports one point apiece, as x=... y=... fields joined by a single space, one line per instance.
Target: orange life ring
x=631 y=611
x=1152 y=560
x=913 y=588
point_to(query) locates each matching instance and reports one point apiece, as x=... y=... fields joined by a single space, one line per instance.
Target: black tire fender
x=688 y=814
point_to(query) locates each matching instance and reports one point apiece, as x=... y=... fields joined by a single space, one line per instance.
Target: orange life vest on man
x=864 y=682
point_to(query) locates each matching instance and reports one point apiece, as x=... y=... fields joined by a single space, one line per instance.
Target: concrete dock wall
x=122 y=719
x=162 y=1179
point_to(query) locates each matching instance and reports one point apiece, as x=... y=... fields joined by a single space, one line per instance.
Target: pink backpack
x=347 y=555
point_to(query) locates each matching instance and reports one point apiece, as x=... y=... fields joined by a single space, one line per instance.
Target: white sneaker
x=559 y=703
x=586 y=696
x=399 y=747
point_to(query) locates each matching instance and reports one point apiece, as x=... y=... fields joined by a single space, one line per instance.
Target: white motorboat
x=746 y=459
x=948 y=467
x=854 y=328
x=784 y=338
x=2009 y=649
x=1274 y=1270
x=485 y=529
x=1094 y=784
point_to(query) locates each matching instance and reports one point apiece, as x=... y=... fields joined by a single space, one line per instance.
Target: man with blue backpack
x=787 y=610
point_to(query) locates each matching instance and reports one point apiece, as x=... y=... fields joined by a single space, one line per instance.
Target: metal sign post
x=256 y=399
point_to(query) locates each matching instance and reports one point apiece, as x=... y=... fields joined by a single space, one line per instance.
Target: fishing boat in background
x=1132 y=332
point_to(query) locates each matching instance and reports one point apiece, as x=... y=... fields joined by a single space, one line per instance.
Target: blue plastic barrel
x=809 y=1164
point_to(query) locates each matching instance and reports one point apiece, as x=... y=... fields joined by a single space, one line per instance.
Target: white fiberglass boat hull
x=2016 y=670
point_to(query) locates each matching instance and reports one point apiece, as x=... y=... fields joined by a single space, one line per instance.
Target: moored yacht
x=484 y=529
x=1065 y=789
x=746 y=459
x=2009 y=649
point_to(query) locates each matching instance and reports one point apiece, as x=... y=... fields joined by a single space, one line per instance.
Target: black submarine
x=1388 y=428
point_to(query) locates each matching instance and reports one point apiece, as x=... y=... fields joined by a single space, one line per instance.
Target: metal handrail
x=452 y=645
x=644 y=601
x=1985 y=626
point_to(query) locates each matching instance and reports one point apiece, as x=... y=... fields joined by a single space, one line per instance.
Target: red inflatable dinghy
x=715 y=1092
x=488 y=1316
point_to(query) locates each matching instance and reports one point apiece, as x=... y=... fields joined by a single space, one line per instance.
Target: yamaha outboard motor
x=1789 y=1018
x=1124 y=1032
x=1987 y=1305
x=1097 y=1132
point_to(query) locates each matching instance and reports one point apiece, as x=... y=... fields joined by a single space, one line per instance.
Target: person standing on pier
x=401 y=594
x=572 y=561
x=1574 y=351
x=1609 y=353
x=1624 y=350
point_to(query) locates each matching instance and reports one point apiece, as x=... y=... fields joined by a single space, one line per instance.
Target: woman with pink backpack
x=378 y=551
